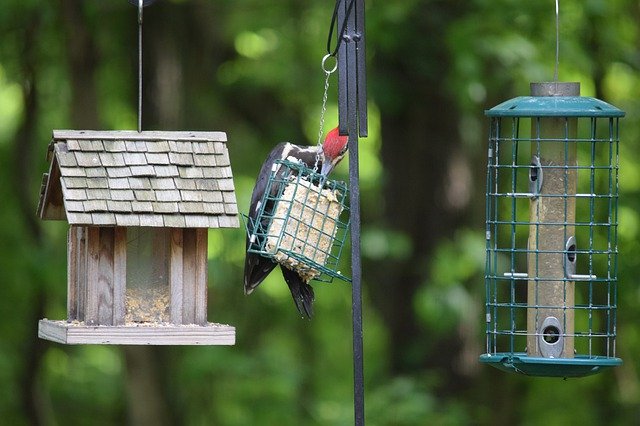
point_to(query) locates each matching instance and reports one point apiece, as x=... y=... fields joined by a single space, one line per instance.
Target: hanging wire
x=140 y=4
x=140 y=7
x=555 y=74
x=334 y=19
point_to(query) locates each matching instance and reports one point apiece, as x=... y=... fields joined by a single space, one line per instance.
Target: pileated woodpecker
x=256 y=267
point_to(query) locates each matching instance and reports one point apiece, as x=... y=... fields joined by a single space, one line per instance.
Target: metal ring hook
x=324 y=62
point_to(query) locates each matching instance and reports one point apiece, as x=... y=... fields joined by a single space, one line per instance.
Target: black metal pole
x=356 y=274
x=352 y=111
x=359 y=38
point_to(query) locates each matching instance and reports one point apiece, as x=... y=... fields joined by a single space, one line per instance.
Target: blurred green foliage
x=252 y=68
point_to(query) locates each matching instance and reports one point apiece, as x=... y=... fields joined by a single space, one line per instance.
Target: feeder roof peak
x=554 y=106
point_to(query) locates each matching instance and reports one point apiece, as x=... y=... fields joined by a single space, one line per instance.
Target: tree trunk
x=82 y=60
x=23 y=147
x=146 y=406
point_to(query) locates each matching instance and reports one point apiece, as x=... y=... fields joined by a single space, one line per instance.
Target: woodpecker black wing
x=261 y=181
x=257 y=267
x=301 y=292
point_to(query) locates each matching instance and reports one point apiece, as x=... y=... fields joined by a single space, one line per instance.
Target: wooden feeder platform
x=75 y=332
x=139 y=206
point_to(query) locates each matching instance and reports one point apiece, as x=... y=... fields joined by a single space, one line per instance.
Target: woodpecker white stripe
x=286 y=151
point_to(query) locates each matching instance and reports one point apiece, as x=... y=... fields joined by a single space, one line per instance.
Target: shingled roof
x=128 y=178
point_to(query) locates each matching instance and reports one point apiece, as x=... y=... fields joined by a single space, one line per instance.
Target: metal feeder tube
x=553 y=172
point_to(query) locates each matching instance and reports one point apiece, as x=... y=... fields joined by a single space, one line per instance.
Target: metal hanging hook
x=324 y=64
x=145 y=3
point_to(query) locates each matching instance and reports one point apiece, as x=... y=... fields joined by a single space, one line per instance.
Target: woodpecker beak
x=327 y=166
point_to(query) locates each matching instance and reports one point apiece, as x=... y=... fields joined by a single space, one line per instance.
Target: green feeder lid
x=519 y=362
x=554 y=106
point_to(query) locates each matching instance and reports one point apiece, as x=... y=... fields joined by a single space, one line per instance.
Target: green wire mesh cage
x=551 y=233
x=303 y=221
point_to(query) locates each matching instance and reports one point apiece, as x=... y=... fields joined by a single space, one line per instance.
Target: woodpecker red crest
x=334 y=148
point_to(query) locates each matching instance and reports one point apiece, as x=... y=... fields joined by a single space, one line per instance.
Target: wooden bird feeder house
x=139 y=206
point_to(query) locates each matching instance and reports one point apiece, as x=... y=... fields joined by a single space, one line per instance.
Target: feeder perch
x=139 y=205
x=551 y=233
x=300 y=223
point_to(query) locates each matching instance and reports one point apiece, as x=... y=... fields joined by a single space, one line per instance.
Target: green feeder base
x=579 y=366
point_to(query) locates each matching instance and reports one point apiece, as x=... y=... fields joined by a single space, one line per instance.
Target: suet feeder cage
x=302 y=222
x=139 y=206
x=551 y=233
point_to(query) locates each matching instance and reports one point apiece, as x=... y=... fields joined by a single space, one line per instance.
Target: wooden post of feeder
x=553 y=177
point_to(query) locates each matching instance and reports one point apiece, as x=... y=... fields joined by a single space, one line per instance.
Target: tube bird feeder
x=551 y=233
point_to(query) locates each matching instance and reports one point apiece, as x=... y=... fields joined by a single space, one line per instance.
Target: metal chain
x=327 y=75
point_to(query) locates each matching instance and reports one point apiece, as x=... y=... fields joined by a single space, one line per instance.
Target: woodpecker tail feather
x=301 y=292
x=256 y=269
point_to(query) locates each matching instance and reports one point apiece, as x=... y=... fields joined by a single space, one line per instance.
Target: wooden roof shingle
x=129 y=178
